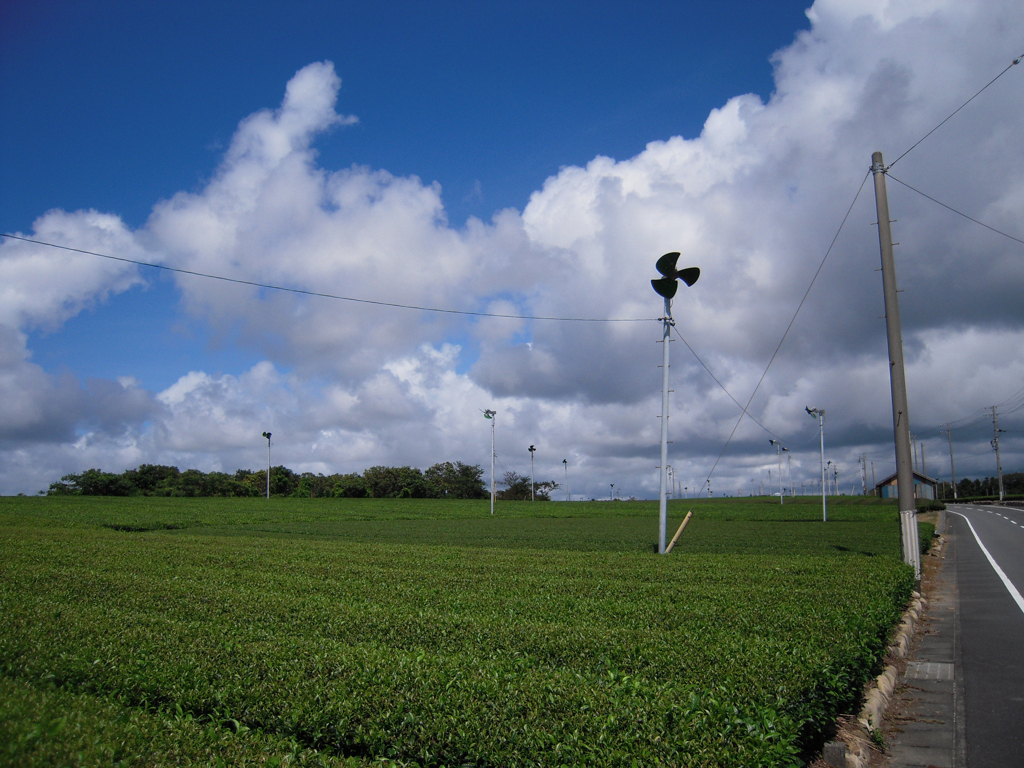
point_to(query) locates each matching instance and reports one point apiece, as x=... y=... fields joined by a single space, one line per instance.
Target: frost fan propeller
x=667 y=286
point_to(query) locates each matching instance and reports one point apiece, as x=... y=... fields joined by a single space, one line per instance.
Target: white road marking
x=995 y=566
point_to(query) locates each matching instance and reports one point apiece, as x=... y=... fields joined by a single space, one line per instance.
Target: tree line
x=1013 y=484
x=451 y=480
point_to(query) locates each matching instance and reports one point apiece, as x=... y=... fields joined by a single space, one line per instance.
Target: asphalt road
x=990 y=580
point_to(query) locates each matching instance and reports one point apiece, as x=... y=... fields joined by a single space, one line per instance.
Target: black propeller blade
x=667 y=285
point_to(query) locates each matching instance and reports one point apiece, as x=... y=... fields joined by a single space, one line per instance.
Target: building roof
x=917 y=476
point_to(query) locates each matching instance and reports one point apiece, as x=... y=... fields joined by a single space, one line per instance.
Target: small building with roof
x=924 y=487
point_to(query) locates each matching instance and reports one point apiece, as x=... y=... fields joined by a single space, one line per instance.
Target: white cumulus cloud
x=755 y=201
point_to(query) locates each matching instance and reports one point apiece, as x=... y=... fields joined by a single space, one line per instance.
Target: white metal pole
x=779 y=452
x=821 y=430
x=492 y=462
x=789 y=463
x=267 y=435
x=662 y=500
x=533 y=482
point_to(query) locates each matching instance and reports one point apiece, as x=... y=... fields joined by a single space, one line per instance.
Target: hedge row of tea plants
x=442 y=656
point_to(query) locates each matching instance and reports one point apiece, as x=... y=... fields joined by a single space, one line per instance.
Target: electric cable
x=304 y=292
x=954 y=210
x=788 y=327
x=720 y=384
x=933 y=130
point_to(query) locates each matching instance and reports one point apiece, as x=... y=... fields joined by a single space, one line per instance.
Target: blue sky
x=737 y=133
x=121 y=104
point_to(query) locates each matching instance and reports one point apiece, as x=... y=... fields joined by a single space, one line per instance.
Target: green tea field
x=350 y=632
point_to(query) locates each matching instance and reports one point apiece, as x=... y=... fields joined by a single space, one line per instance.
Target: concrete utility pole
x=952 y=467
x=897 y=374
x=565 y=462
x=924 y=467
x=995 y=444
x=666 y=330
x=864 y=474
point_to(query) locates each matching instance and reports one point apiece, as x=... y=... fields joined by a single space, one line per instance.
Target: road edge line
x=995 y=566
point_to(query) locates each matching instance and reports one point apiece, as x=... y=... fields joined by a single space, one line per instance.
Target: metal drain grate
x=929 y=670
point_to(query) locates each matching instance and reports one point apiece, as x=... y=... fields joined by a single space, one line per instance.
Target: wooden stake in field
x=679 y=532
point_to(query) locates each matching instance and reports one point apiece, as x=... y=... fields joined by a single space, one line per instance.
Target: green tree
x=96 y=482
x=455 y=481
x=350 y=486
x=395 y=483
x=66 y=486
x=314 y=486
x=151 y=480
x=517 y=488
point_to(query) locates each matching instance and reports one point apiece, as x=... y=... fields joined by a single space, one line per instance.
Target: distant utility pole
x=952 y=467
x=995 y=444
x=897 y=373
x=565 y=463
x=924 y=467
x=864 y=473
x=267 y=435
x=913 y=447
x=874 y=485
x=489 y=414
x=533 y=483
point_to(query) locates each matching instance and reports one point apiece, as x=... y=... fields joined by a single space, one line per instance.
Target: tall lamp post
x=666 y=287
x=789 y=462
x=820 y=413
x=267 y=435
x=779 y=449
x=565 y=463
x=489 y=414
x=532 y=482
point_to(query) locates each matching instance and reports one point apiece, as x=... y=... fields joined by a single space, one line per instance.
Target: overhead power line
x=788 y=328
x=321 y=295
x=933 y=130
x=720 y=384
x=954 y=210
